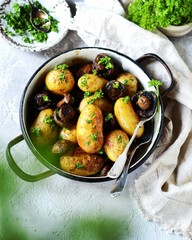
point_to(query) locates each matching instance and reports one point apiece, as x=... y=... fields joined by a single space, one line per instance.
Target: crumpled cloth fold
x=163 y=192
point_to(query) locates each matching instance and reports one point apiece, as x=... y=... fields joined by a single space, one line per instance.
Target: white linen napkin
x=163 y=192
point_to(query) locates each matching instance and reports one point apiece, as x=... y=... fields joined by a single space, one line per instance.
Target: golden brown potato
x=127 y=117
x=82 y=163
x=59 y=81
x=102 y=103
x=91 y=83
x=115 y=143
x=69 y=134
x=44 y=130
x=90 y=129
x=130 y=82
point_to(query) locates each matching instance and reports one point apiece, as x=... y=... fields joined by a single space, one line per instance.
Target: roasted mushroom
x=85 y=68
x=103 y=65
x=65 y=114
x=42 y=100
x=110 y=122
x=114 y=90
x=145 y=103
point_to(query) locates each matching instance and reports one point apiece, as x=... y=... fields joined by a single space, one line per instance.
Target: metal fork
x=119 y=164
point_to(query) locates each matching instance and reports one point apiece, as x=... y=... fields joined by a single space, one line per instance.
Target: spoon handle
x=121 y=181
x=118 y=166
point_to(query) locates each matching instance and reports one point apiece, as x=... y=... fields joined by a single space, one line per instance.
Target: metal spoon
x=39 y=19
x=119 y=164
x=121 y=181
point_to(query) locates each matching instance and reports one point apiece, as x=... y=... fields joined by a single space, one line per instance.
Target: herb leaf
x=106 y=61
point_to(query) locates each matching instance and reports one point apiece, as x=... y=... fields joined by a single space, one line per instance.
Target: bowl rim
x=52 y=167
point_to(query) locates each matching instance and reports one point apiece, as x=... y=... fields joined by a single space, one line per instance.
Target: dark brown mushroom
x=42 y=100
x=114 y=90
x=86 y=68
x=67 y=98
x=103 y=65
x=65 y=114
x=110 y=122
x=145 y=103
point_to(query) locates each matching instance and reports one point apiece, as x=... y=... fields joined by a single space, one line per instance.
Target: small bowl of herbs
x=173 y=18
x=17 y=30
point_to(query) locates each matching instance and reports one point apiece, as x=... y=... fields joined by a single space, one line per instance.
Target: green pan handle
x=17 y=170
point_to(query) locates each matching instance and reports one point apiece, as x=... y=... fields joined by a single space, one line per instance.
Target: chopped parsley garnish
x=101 y=151
x=89 y=121
x=116 y=84
x=94 y=136
x=126 y=99
x=49 y=120
x=119 y=139
x=79 y=165
x=106 y=61
x=62 y=76
x=46 y=98
x=63 y=68
x=96 y=95
x=86 y=94
x=127 y=81
x=84 y=80
x=94 y=71
x=108 y=117
x=35 y=131
x=88 y=142
x=93 y=115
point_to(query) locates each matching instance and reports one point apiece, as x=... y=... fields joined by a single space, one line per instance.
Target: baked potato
x=90 y=129
x=69 y=134
x=44 y=131
x=60 y=80
x=82 y=163
x=115 y=143
x=129 y=81
x=91 y=83
x=102 y=103
x=127 y=117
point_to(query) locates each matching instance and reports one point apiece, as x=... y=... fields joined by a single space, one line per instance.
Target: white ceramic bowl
x=176 y=31
x=58 y=9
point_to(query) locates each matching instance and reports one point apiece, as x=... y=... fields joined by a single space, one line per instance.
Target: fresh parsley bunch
x=151 y=14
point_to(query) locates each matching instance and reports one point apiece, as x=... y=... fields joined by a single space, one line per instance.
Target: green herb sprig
x=95 y=96
x=106 y=61
x=155 y=83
